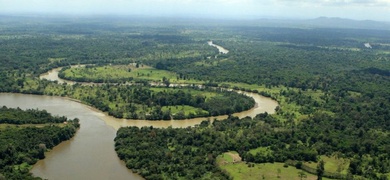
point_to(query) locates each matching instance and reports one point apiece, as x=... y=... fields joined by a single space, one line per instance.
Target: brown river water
x=90 y=154
x=263 y=104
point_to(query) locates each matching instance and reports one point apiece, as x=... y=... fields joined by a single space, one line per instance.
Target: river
x=221 y=49
x=90 y=154
x=263 y=104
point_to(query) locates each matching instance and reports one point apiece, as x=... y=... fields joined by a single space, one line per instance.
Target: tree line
x=23 y=146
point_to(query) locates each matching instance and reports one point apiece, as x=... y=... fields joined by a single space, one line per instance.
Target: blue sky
x=231 y=9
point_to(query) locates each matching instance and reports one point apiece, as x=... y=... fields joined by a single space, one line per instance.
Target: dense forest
x=25 y=136
x=146 y=102
x=190 y=153
x=333 y=91
x=30 y=116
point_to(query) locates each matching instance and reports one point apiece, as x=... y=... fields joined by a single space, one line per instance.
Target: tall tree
x=320 y=169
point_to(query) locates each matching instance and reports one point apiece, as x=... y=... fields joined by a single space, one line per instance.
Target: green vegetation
x=333 y=164
x=333 y=92
x=23 y=142
x=272 y=171
x=183 y=111
x=139 y=102
x=18 y=116
x=121 y=73
x=262 y=150
x=168 y=153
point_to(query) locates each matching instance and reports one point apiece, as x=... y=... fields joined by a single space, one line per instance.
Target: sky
x=217 y=9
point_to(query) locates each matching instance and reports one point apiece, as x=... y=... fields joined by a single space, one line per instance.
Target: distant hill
x=320 y=22
x=325 y=22
x=348 y=23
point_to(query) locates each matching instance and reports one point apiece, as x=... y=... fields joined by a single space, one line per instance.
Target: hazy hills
x=320 y=22
x=325 y=22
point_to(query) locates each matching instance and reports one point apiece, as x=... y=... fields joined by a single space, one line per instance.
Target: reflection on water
x=88 y=155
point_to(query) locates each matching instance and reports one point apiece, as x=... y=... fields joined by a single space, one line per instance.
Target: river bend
x=90 y=153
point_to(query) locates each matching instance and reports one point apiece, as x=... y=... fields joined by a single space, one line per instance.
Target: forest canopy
x=333 y=91
x=25 y=136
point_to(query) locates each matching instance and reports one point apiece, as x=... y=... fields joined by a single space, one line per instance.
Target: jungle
x=332 y=121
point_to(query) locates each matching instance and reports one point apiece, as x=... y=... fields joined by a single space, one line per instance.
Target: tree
x=279 y=171
x=320 y=169
x=383 y=177
x=298 y=165
x=302 y=175
x=349 y=176
x=2 y=177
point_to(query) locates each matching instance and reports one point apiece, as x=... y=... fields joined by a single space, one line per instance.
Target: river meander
x=90 y=154
x=263 y=104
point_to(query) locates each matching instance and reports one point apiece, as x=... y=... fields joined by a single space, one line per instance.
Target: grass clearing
x=264 y=171
x=262 y=150
x=119 y=72
x=228 y=157
x=242 y=170
x=333 y=164
x=194 y=92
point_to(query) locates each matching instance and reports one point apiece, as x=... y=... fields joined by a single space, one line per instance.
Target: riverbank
x=94 y=122
x=262 y=104
x=88 y=155
x=83 y=155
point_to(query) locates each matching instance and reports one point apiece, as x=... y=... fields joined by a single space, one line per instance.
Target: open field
x=241 y=170
x=332 y=164
x=130 y=72
x=263 y=150
x=204 y=93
